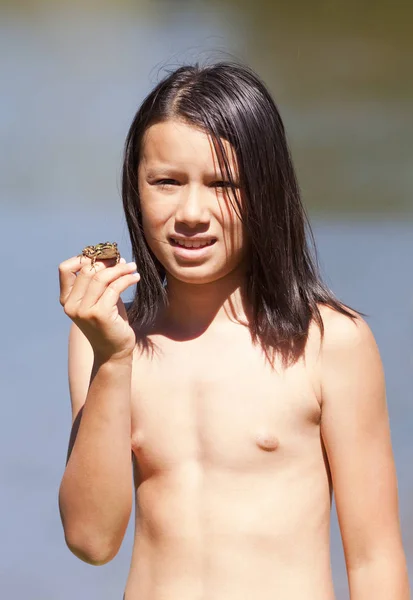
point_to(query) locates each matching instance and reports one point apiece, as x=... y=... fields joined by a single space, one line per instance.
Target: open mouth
x=195 y=245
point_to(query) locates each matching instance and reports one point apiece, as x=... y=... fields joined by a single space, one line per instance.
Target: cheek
x=153 y=220
x=234 y=234
x=234 y=237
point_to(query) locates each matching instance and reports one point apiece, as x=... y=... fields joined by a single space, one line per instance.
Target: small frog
x=101 y=251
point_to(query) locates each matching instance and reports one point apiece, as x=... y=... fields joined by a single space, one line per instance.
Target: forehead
x=182 y=145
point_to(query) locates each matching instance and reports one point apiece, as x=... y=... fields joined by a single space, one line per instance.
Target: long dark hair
x=284 y=286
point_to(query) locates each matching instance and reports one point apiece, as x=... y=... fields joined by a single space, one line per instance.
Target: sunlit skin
x=234 y=461
x=183 y=192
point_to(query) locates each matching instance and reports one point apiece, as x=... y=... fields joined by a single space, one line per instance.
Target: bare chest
x=222 y=406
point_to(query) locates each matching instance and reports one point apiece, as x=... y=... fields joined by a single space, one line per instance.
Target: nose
x=192 y=209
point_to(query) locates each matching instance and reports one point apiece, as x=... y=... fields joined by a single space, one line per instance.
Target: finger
x=69 y=269
x=67 y=275
x=82 y=282
x=85 y=275
x=100 y=281
x=111 y=296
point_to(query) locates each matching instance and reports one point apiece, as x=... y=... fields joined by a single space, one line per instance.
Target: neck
x=194 y=308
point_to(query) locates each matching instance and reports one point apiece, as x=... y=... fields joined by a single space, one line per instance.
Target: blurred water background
x=73 y=75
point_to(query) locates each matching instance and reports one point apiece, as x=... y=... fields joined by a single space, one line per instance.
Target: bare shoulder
x=344 y=333
x=349 y=356
x=340 y=331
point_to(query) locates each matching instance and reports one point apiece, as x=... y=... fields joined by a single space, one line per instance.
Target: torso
x=233 y=491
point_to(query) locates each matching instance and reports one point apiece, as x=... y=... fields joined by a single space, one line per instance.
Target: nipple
x=267 y=441
x=137 y=440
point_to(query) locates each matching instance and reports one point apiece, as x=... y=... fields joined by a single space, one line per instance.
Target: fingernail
x=122 y=260
x=132 y=265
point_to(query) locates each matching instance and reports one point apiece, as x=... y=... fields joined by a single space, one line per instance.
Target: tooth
x=192 y=244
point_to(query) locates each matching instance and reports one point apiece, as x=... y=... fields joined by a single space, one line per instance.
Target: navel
x=267 y=441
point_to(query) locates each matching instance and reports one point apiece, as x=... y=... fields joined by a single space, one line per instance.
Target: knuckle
x=95 y=315
x=94 y=312
x=99 y=275
x=68 y=309
x=82 y=313
x=63 y=267
x=62 y=303
x=84 y=271
x=114 y=286
x=89 y=269
x=89 y=313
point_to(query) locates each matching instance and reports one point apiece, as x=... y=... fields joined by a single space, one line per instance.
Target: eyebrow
x=165 y=169
x=152 y=172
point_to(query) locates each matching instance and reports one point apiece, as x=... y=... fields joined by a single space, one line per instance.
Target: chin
x=195 y=279
x=199 y=275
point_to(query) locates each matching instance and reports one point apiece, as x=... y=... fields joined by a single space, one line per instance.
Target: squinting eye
x=165 y=182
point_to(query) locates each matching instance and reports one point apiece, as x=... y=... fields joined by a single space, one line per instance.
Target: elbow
x=92 y=551
x=94 y=541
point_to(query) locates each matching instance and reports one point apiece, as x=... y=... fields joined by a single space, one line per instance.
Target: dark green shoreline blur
x=340 y=72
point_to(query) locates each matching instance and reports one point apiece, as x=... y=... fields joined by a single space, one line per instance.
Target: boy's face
x=185 y=199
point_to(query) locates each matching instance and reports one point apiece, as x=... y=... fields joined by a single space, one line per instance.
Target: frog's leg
x=94 y=258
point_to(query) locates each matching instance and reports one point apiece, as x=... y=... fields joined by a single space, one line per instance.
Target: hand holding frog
x=91 y=298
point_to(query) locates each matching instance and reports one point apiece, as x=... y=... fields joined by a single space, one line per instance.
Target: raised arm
x=95 y=496
x=356 y=433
